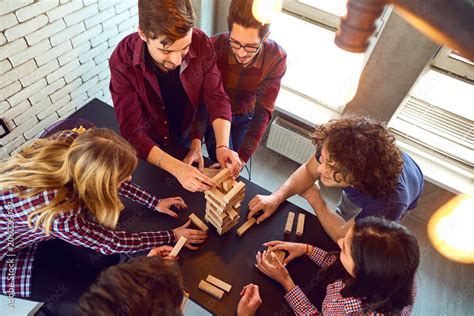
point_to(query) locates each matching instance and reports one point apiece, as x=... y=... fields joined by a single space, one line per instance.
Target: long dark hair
x=386 y=257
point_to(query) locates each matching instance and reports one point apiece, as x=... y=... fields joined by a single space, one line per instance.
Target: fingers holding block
x=289 y=222
x=246 y=226
x=177 y=248
x=219 y=283
x=211 y=289
x=198 y=222
x=300 y=224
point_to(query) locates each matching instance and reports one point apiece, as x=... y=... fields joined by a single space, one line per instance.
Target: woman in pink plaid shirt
x=67 y=188
x=373 y=274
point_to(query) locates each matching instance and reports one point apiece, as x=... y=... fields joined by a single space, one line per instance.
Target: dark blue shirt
x=408 y=190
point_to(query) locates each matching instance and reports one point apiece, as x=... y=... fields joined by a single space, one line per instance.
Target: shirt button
x=166 y=137
x=162 y=107
x=166 y=122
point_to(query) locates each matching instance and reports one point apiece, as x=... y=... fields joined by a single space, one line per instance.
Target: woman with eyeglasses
x=373 y=274
x=61 y=192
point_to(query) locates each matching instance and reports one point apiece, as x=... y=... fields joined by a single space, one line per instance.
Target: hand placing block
x=246 y=226
x=176 y=249
x=289 y=222
x=219 y=283
x=300 y=224
x=198 y=222
x=211 y=289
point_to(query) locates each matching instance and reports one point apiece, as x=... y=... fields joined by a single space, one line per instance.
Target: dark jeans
x=63 y=272
x=240 y=126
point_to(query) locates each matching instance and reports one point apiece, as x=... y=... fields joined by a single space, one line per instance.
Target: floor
x=443 y=287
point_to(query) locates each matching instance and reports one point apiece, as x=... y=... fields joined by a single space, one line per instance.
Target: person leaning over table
x=159 y=75
x=66 y=188
x=252 y=67
x=374 y=274
x=150 y=285
x=358 y=155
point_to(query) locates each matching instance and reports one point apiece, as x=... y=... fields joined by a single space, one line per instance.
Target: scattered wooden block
x=246 y=226
x=221 y=176
x=219 y=283
x=211 y=289
x=300 y=224
x=198 y=222
x=211 y=172
x=289 y=222
x=236 y=189
x=176 y=249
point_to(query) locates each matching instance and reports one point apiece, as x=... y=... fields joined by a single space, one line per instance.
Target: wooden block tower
x=223 y=203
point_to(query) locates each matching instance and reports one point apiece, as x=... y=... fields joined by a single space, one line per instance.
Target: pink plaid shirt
x=18 y=241
x=334 y=303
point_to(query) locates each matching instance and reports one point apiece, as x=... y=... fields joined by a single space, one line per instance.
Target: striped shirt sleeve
x=77 y=230
x=299 y=303
x=137 y=194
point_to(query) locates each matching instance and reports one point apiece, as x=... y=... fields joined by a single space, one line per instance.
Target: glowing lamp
x=450 y=229
x=265 y=10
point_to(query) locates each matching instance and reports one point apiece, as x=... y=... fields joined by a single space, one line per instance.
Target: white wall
x=54 y=59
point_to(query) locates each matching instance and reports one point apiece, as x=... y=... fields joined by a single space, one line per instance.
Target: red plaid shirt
x=334 y=303
x=18 y=241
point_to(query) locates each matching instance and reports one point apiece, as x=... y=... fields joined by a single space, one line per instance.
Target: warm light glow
x=264 y=11
x=339 y=76
x=450 y=229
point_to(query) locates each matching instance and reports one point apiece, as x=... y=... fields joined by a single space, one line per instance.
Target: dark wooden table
x=228 y=257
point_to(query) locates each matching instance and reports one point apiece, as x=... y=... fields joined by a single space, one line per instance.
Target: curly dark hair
x=362 y=152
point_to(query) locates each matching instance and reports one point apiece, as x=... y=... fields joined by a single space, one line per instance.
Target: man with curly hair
x=358 y=155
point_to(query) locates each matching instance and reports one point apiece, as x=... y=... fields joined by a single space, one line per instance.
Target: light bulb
x=450 y=229
x=265 y=10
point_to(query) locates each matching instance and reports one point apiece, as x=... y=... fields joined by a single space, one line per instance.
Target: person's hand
x=294 y=249
x=162 y=251
x=164 y=206
x=311 y=193
x=275 y=271
x=195 y=155
x=193 y=236
x=224 y=155
x=266 y=203
x=192 y=179
x=250 y=300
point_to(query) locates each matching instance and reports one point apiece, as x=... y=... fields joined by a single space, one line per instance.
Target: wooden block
x=232 y=213
x=211 y=172
x=217 y=195
x=211 y=289
x=246 y=226
x=300 y=224
x=235 y=190
x=289 y=222
x=219 y=283
x=280 y=255
x=221 y=176
x=174 y=252
x=197 y=221
x=213 y=201
x=227 y=184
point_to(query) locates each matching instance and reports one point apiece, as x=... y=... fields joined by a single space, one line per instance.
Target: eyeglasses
x=247 y=48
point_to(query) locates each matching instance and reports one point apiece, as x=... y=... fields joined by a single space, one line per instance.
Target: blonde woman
x=67 y=188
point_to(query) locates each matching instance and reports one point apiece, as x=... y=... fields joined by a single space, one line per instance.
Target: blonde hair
x=87 y=171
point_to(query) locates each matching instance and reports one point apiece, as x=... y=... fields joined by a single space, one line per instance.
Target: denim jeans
x=240 y=126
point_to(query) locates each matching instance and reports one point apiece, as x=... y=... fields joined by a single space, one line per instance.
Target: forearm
x=161 y=159
x=333 y=224
x=222 y=131
x=297 y=183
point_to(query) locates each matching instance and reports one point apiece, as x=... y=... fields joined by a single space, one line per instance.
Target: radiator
x=290 y=140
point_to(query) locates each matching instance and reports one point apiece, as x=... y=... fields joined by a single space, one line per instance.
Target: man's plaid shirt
x=18 y=241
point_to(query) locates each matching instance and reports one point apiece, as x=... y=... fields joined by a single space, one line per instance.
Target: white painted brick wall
x=54 y=59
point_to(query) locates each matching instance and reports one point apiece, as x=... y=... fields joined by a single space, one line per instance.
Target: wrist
x=221 y=146
x=288 y=284
x=196 y=143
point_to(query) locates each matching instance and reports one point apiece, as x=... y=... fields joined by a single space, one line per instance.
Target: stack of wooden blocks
x=223 y=202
